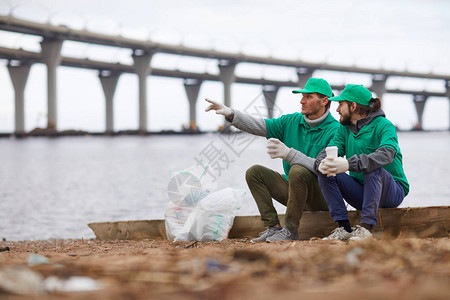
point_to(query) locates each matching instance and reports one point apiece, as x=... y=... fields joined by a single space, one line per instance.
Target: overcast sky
x=400 y=35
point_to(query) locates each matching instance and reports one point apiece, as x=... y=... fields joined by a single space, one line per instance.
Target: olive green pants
x=300 y=192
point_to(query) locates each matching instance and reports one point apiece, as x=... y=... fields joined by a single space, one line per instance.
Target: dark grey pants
x=379 y=190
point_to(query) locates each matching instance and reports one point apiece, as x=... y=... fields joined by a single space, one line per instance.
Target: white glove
x=323 y=167
x=335 y=166
x=219 y=108
x=277 y=149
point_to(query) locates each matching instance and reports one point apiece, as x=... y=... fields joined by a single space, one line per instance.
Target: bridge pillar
x=109 y=84
x=192 y=87
x=51 y=55
x=143 y=70
x=419 y=102
x=227 y=76
x=379 y=84
x=19 y=75
x=270 y=95
x=303 y=75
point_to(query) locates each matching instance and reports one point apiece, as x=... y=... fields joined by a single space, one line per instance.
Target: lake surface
x=53 y=187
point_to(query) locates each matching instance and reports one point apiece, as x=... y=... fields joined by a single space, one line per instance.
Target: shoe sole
x=267 y=240
x=360 y=239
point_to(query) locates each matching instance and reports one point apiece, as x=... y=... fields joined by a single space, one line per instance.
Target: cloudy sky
x=399 y=35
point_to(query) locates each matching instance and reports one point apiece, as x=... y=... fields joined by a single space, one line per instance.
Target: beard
x=345 y=119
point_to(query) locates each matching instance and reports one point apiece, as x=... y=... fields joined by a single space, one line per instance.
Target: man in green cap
x=376 y=179
x=297 y=139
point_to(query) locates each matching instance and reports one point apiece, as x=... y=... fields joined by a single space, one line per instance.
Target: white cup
x=332 y=151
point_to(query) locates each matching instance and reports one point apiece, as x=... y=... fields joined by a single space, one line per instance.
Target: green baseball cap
x=316 y=85
x=354 y=93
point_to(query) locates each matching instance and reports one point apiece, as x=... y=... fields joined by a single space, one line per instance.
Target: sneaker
x=265 y=234
x=360 y=233
x=283 y=235
x=339 y=234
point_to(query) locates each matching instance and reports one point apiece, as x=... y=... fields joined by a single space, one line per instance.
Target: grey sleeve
x=295 y=157
x=366 y=163
x=322 y=154
x=248 y=123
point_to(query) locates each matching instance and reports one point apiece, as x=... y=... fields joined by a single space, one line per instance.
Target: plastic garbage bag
x=212 y=218
x=175 y=217
x=186 y=188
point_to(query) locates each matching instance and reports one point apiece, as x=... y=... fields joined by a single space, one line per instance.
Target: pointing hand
x=219 y=108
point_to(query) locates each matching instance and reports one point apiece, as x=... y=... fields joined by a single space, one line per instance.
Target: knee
x=375 y=174
x=324 y=179
x=253 y=172
x=321 y=179
x=298 y=172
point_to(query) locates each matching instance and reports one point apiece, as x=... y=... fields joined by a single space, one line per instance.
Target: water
x=51 y=188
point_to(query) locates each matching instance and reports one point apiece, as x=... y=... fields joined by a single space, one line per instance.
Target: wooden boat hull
x=421 y=222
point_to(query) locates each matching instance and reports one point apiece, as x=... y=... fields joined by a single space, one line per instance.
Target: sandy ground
x=233 y=269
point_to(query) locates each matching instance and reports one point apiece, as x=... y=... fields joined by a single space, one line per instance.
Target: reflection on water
x=51 y=188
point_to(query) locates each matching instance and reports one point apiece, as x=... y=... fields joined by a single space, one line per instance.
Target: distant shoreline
x=65 y=133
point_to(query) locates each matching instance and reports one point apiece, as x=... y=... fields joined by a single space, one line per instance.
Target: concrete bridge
x=20 y=62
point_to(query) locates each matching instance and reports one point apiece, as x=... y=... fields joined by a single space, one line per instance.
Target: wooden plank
x=418 y=222
x=129 y=230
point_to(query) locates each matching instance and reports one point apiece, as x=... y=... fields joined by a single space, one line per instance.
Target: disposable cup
x=332 y=151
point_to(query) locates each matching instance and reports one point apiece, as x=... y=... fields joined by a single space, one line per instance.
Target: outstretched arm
x=238 y=119
x=219 y=108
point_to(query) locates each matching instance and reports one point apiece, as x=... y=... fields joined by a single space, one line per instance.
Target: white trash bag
x=185 y=189
x=212 y=218
x=175 y=217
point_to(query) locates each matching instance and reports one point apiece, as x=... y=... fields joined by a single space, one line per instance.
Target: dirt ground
x=233 y=269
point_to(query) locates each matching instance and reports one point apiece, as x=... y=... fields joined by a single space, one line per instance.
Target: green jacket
x=377 y=132
x=294 y=132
